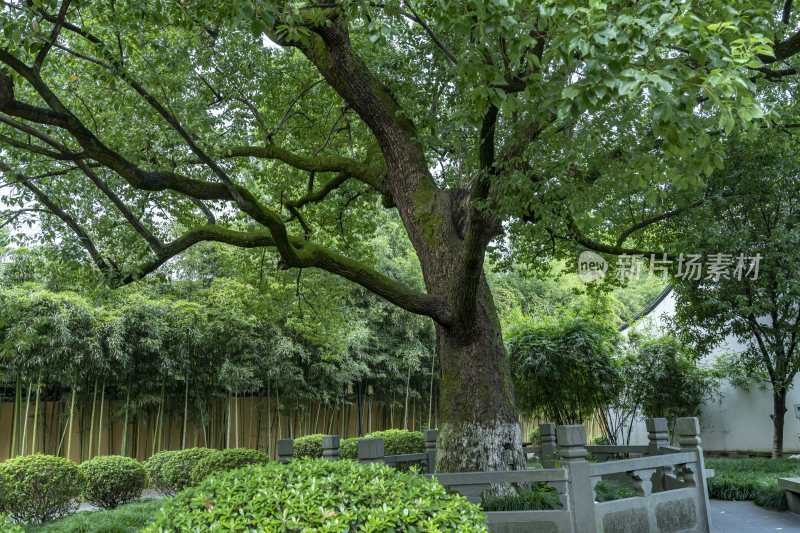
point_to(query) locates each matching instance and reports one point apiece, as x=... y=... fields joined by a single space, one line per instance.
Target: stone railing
x=670 y=492
x=370 y=451
x=669 y=486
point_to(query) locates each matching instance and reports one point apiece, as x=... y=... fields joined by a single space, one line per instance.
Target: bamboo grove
x=137 y=373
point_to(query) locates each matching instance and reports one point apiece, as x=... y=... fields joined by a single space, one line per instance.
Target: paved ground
x=747 y=517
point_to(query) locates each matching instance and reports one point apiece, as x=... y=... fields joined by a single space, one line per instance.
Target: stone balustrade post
x=431 y=436
x=688 y=430
x=370 y=450
x=657 y=434
x=547 y=433
x=285 y=448
x=572 y=453
x=330 y=447
x=658 y=437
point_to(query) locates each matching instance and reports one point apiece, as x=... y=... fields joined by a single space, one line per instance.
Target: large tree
x=754 y=211
x=144 y=127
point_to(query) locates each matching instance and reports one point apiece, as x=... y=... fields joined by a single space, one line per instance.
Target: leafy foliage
x=751 y=479
x=399 y=441
x=564 y=370
x=111 y=481
x=538 y=498
x=155 y=471
x=308 y=446
x=334 y=495
x=224 y=461
x=42 y=488
x=178 y=469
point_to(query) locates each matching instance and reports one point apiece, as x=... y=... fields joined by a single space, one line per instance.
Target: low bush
x=129 y=518
x=308 y=446
x=400 y=441
x=601 y=440
x=751 y=479
x=226 y=460
x=348 y=448
x=538 y=498
x=155 y=471
x=318 y=495
x=395 y=442
x=113 y=480
x=40 y=487
x=536 y=436
x=177 y=471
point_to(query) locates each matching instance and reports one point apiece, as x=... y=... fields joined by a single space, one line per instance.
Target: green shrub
x=538 y=498
x=308 y=446
x=41 y=487
x=177 y=471
x=348 y=448
x=113 y=480
x=601 y=440
x=155 y=471
x=318 y=495
x=399 y=441
x=226 y=460
x=535 y=437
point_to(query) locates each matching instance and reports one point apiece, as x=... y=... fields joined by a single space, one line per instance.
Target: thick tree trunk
x=480 y=429
x=779 y=412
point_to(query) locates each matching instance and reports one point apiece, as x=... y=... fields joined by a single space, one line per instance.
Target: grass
x=538 y=498
x=753 y=479
x=124 y=519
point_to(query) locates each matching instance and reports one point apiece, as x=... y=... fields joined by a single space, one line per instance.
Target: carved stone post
x=431 y=436
x=330 y=447
x=658 y=435
x=688 y=430
x=370 y=450
x=572 y=451
x=547 y=432
x=285 y=449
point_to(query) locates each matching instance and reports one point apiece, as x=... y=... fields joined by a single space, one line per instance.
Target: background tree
x=141 y=131
x=755 y=209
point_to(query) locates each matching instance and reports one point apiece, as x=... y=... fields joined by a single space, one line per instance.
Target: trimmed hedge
x=348 y=448
x=308 y=446
x=395 y=442
x=155 y=471
x=177 y=471
x=113 y=480
x=318 y=495
x=40 y=487
x=226 y=460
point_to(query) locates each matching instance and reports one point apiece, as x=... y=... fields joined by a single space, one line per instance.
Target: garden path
x=747 y=517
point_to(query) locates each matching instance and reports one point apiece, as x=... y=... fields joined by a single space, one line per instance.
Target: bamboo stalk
x=100 y=420
x=91 y=422
x=124 y=444
x=185 y=411
x=408 y=383
x=15 y=420
x=71 y=417
x=24 y=445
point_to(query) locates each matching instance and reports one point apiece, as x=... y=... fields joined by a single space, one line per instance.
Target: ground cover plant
x=128 y=518
x=753 y=479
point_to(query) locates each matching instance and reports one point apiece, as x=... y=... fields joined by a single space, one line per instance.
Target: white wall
x=737 y=420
